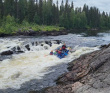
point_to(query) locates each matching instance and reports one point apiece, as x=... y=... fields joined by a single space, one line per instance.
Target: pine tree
x=22 y=9
x=62 y=8
x=9 y=7
x=36 y=7
x=16 y=9
x=31 y=10
x=72 y=18
x=57 y=13
x=41 y=10
x=1 y=12
x=86 y=10
x=44 y=12
x=72 y=6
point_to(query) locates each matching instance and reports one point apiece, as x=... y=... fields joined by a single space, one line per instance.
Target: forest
x=15 y=14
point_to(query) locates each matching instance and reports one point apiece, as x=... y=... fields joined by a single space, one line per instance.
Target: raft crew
x=56 y=52
x=51 y=53
x=61 y=53
x=64 y=47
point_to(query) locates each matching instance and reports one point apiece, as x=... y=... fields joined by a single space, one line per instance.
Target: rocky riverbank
x=90 y=73
x=31 y=32
x=40 y=33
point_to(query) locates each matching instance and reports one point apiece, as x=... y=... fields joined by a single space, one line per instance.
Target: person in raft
x=60 y=52
x=64 y=47
x=56 y=52
x=51 y=53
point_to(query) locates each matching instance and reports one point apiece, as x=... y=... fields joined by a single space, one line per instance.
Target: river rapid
x=35 y=69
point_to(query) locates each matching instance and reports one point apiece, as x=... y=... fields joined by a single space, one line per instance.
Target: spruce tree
x=9 y=7
x=44 y=12
x=22 y=9
x=57 y=13
x=1 y=12
x=40 y=11
x=16 y=9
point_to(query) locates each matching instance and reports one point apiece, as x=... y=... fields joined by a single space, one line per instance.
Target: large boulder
x=27 y=47
x=8 y=52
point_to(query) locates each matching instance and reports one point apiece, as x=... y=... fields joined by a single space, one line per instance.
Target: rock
x=49 y=43
x=31 y=32
x=8 y=52
x=42 y=44
x=13 y=49
x=18 y=48
x=45 y=47
x=58 y=41
x=32 y=43
x=27 y=47
x=20 y=51
x=70 y=88
x=34 y=92
x=104 y=46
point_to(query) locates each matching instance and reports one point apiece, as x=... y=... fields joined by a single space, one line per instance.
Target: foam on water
x=33 y=64
x=7 y=44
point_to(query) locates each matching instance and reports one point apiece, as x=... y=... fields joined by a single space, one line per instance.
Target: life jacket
x=51 y=53
x=59 y=52
x=63 y=47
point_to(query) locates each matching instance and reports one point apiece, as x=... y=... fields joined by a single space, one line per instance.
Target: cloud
x=103 y=5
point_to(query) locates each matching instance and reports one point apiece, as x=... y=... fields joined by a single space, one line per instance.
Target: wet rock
x=32 y=43
x=18 y=48
x=13 y=49
x=45 y=47
x=20 y=51
x=104 y=46
x=9 y=52
x=34 y=92
x=0 y=59
x=70 y=88
x=31 y=32
x=36 y=43
x=42 y=44
x=27 y=47
x=49 y=43
x=58 y=41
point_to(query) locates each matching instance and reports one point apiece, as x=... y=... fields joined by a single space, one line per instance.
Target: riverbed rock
x=8 y=52
x=27 y=47
x=90 y=73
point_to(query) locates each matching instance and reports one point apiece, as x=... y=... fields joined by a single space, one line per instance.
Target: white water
x=32 y=64
x=7 y=44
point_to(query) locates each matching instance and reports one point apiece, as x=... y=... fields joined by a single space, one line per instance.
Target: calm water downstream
x=35 y=69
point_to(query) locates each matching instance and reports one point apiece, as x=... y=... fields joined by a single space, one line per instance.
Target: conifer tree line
x=45 y=12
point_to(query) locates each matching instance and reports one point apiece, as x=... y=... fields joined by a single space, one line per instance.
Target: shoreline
x=31 y=32
x=37 y=33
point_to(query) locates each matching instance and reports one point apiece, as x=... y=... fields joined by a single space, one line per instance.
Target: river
x=35 y=69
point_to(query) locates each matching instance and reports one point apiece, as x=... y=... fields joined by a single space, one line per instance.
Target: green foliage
x=23 y=14
x=22 y=10
x=9 y=25
x=36 y=19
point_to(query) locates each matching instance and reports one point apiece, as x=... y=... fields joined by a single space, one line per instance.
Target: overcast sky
x=103 y=5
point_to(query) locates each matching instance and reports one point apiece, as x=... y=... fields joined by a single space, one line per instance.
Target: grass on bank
x=9 y=26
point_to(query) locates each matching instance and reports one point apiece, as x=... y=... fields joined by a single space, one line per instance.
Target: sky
x=102 y=5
